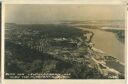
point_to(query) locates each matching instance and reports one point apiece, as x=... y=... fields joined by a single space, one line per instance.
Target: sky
x=38 y=14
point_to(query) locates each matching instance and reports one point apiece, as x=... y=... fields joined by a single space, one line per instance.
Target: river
x=107 y=42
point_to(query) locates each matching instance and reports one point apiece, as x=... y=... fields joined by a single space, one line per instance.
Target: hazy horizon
x=38 y=14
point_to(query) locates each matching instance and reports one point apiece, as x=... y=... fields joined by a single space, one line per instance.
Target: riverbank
x=107 y=42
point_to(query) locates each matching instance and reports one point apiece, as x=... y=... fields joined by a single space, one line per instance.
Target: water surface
x=108 y=42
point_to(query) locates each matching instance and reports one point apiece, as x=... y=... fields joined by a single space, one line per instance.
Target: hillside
x=58 y=50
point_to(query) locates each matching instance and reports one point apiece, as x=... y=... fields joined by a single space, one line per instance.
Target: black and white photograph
x=64 y=41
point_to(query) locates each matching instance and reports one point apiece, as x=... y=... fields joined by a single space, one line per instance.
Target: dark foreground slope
x=56 y=51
